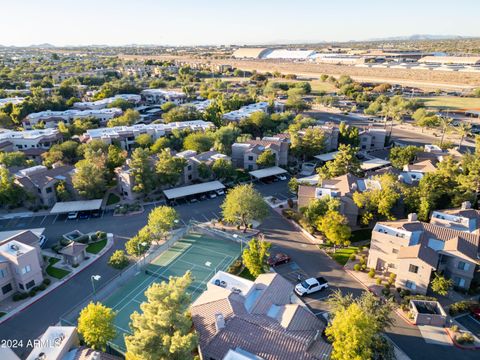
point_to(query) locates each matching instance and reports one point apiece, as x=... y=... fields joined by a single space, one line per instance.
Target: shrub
x=404 y=292
x=32 y=293
x=460 y=307
x=371 y=273
x=387 y=285
x=65 y=242
x=306 y=225
x=118 y=260
x=290 y=203
x=235 y=267
x=465 y=338
x=360 y=248
x=83 y=239
x=41 y=287
x=407 y=298
x=364 y=267
x=386 y=291
x=399 y=289
x=378 y=281
x=392 y=276
x=57 y=248
x=47 y=281
x=352 y=257
x=454 y=328
x=362 y=261
x=250 y=226
x=75 y=265
x=19 y=296
x=356 y=267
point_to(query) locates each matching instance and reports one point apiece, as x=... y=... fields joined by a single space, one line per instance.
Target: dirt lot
x=420 y=78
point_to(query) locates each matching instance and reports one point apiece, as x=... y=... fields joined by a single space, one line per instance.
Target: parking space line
x=44 y=218
x=215 y=215
x=207 y=219
x=55 y=219
x=183 y=222
x=472 y=318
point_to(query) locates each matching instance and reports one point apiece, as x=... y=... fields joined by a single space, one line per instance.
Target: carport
x=264 y=173
x=374 y=164
x=326 y=157
x=184 y=191
x=81 y=205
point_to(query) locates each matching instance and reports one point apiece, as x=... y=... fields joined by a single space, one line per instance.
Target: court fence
x=103 y=291
x=213 y=232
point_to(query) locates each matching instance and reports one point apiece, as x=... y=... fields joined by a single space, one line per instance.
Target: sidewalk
x=20 y=306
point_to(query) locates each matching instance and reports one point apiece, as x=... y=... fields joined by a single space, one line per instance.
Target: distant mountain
x=417 y=37
x=42 y=46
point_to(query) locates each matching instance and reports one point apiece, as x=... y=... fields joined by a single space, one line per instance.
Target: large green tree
x=335 y=228
x=255 y=256
x=243 y=204
x=163 y=329
x=308 y=143
x=143 y=172
x=161 y=221
x=401 y=156
x=345 y=162
x=89 y=178
x=169 y=168
x=223 y=169
x=95 y=324
x=199 y=142
x=11 y=194
x=267 y=159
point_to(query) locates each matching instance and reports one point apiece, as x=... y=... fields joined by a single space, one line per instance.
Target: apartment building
x=372 y=139
x=160 y=96
x=126 y=135
x=103 y=103
x=28 y=139
x=331 y=135
x=39 y=181
x=237 y=318
x=193 y=161
x=341 y=187
x=245 y=155
x=52 y=118
x=247 y=110
x=413 y=173
x=20 y=269
x=412 y=249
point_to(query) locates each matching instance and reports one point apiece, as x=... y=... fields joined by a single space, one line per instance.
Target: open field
x=430 y=80
x=452 y=102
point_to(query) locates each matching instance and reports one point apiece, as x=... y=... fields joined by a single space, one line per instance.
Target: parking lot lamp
x=94 y=278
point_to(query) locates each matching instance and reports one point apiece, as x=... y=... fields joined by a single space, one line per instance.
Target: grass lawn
x=55 y=272
x=341 y=255
x=96 y=247
x=451 y=102
x=319 y=85
x=360 y=235
x=112 y=199
x=246 y=275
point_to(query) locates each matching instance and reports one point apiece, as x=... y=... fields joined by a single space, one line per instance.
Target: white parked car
x=282 y=177
x=220 y=192
x=311 y=285
x=72 y=215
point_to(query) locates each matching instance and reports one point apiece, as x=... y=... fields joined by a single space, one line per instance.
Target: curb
x=18 y=310
x=459 y=346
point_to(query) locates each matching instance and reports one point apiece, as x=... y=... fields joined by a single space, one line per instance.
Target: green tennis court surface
x=202 y=255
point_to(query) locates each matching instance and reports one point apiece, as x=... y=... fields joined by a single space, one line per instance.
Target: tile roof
x=73 y=249
x=420 y=251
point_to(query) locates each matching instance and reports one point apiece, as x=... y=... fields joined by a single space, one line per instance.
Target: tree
x=464 y=129
x=308 y=143
x=135 y=246
x=401 y=156
x=255 y=256
x=161 y=221
x=425 y=119
x=224 y=137
x=335 y=228
x=352 y=331
x=181 y=113
x=199 y=142
x=444 y=125
x=144 y=140
x=163 y=330
x=95 y=324
x=317 y=208
x=266 y=159
x=115 y=157
x=295 y=103
x=11 y=194
x=169 y=168
x=348 y=134
x=89 y=178
x=243 y=204
x=62 y=192
x=118 y=260
x=13 y=158
x=223 y=169
x=441 y=285
x=345 y=162
x=204 y=171
x=128 y=118
x=142 y=170
x=160 y=144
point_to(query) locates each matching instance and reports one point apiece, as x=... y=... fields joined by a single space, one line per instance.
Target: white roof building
x=290 y=54
x=52 y=118
x=101 y=104
x=30 y=138
x=246 y=111
x=14 y=100
x=160 y=96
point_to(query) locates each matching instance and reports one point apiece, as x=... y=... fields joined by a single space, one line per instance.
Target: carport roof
x=184 y=191
x=326 y=157
x=271 y=171
x=82 y=205
x=373 y=164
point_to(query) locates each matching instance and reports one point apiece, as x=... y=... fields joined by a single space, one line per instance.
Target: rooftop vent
x=412 y=217
x=466 y=205
x=219 y=322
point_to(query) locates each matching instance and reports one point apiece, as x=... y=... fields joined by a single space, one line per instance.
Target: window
x=250 y=158
x=189 y=167
x=462 y=265
x=7 y=288
x=410 y=285
x=190 y=177
x=49 y=190
x=392 y=266
x=394 y=251
x=3 y=273
x=21 y=286
x=413 y=268
x=30 y=284
x=26 y=269
x=459 y=281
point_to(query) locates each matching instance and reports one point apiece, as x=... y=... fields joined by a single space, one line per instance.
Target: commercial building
x=286 y=54
x=245 y=155
x=450 y=60
x=160 y=96
x=52 y=118
x=413 y=249
x=339 y=59
x=237 y=318
x=250 y=53
x=40 y=182
x=20 y=268
x=102 y=104
x=29 y=139
x=126 y=135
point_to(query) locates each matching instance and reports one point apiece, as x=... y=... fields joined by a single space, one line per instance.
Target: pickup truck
x=311 y=285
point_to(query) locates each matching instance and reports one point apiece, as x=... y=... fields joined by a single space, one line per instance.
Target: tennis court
x=200 y=254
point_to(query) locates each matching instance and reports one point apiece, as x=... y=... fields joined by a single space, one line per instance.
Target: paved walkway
x=435 y=335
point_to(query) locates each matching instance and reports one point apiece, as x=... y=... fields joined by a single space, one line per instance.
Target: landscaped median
x=53 y=271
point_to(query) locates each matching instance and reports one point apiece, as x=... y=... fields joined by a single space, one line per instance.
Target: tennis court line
x=151 y=279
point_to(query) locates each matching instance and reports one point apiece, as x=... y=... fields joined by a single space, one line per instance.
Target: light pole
x=143 y=244
x=94 y=278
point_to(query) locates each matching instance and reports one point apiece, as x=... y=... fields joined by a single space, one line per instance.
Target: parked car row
x=198 y=197
x=74 y=215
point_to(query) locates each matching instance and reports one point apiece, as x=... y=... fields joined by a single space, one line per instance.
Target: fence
x=217 y=233
x=104 y=291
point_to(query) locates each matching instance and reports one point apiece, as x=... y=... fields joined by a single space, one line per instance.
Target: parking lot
x=470 y=323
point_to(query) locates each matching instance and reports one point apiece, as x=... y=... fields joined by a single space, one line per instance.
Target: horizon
x=187 y=23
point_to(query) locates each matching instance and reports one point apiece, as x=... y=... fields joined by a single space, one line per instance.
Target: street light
x=94 y=278
x=144 y=244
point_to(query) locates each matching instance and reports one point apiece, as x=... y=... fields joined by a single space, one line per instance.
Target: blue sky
x=189 y=22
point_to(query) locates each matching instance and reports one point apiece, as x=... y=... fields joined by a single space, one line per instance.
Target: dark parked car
x=476 y=313
x=83 y=215
x=277 y=259
x=95 y=213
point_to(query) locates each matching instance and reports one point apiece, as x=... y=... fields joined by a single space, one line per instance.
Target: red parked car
x=277 y=259
x=476 y=313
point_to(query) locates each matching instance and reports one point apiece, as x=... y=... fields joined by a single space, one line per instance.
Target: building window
x=3 y=273
x=410 y=285
x=394 y=251
x=250 y=158
x=189 y=167
x=189 y=177
x=392 y=266
x=462 y=265
x=49 y=190
x=26 y=269
x=459 y=281
x=413 y=268
x=6 y=289
x=30 y=284
x=21 y=286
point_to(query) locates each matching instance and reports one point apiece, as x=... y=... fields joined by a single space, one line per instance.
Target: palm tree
x=464 y=129
x=444 y=125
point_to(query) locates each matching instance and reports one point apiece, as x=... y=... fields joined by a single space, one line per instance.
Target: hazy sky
x=187 y=22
